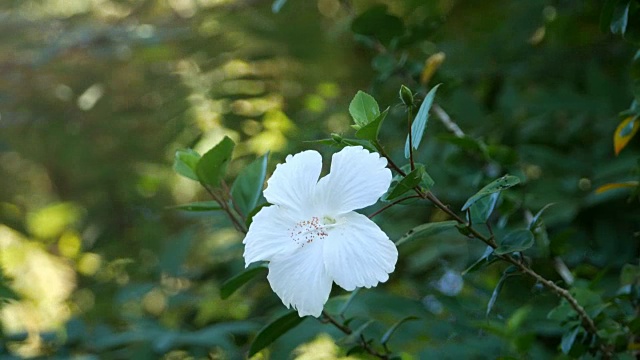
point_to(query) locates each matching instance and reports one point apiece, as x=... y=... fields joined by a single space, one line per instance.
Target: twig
x=223 y=204
x=393 y=203
x=347 y=330
x=446 y=120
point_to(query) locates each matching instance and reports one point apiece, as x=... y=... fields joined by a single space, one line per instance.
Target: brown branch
x=393 y=203
x=347 y=330
x=230 y=214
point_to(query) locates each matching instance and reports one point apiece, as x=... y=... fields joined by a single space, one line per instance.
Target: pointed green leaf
x=568 y=339
x=419 y=124
x=534 y=221
x=198 y=206
x=274 y=330
x=363 y=108
x=407 y=183
x=518 y=240
x=496 y=291
x=503 y=183
x=387 y=335
x=213 y=165
x=185 y=163
x=247 y=187
x=230 y=286
x=354 y=337
x=346 y=304
x=426 y=230
x=620 y=17
x=372 y=129
x=481 y=210
x=485 y=259
x=606 y=14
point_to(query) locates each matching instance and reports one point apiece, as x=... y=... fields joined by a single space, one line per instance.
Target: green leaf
x=346 y=304
x=536 y=218
x=503 y=183
x=213 y=165
x=371 y=130
x=496 y=291
x=185 y=163
x=387 y=335
x=620 y=17
x=419 y=124
x=247 y=187
x=485 y=259
x=407 y=183
x=198 y=206
x=354 y=337
x=518 y=240
x=635 y=71
x=568 y=339
x=426 y=230
x=253 y=213
x=231 y=285
x=274 y=330
x=481 y=210
x=363 y=108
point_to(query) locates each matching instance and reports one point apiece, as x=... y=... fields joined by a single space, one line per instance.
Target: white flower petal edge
x=357 y=179
x=269 y=236
x=301 y=280
x=293 y=183
x=359 y=254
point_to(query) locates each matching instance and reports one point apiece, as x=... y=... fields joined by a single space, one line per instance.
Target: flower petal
x=268 y=235
x=301 y=281
x=358 y=254
x=293 y=183
x=357 y=179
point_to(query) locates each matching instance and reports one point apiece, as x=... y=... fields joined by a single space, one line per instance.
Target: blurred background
x=97 y=95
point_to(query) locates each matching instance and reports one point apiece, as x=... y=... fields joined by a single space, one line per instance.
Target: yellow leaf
x=430 y=66
x=613 y=186
x=624 y=132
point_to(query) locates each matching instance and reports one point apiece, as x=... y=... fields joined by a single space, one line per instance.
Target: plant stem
x=347 y=331
x=225 y=206
x=390 y=162
x=393 y=203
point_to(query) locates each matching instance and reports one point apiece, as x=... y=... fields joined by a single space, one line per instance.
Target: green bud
x=337 y=138
x=406 y=96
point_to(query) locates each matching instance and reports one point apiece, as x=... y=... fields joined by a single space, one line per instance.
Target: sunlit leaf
x=185 y=163
x=419 y=124
x=387 y=335
x=364 y=109
x=230 y=286
x=426 y=230
x=371 y=130
x=274 y=330
x=213 y=165
x=619 y=185
x=247 y=187
x=517 y=240
x=500 y=184
x=625 y=132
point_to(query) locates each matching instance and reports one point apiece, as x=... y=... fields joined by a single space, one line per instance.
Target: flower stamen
x=306 y=231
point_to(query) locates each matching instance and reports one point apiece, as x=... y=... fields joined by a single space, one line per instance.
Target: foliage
x=138 y=261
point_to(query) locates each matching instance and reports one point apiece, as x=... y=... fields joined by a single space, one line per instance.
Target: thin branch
x=393 y=203
x=446 y=120
x=230 y=214
x=390 y=162
x=347 y=330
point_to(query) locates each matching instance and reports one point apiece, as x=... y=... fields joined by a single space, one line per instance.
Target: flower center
x=306 y=231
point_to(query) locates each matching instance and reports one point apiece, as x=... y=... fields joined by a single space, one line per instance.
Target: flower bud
x=406 y=96
x=336 y=137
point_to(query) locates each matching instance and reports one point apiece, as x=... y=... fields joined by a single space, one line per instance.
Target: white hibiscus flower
x=311 y=235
